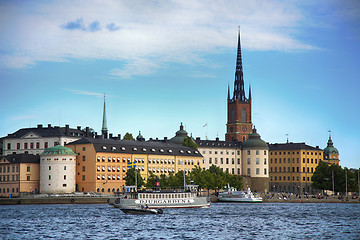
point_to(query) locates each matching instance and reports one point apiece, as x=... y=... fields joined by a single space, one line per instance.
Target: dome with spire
x=140 y=137
x=254 y=141
x=330 y=149
x=180 y=135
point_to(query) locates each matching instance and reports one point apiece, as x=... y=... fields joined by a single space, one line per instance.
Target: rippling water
x=220 y=221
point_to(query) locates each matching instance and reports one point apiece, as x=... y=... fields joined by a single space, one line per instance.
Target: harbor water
x=220 y=221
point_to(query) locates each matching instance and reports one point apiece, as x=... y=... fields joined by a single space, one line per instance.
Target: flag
x=131 y=164
x=205 y=125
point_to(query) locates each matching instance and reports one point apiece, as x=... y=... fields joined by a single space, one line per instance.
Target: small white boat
x=232 y=195
x=142 y=210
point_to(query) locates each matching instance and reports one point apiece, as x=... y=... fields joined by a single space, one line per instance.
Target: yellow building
x=19 y=173
x=292 y=166
x=102 y=163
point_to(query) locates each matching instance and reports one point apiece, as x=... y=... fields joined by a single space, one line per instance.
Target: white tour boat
x=232 y=195
x=189 y=198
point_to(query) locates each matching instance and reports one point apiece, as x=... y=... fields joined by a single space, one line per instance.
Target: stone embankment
x=104 y=199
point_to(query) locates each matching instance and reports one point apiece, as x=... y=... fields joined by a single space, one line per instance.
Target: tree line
x=325 y=175
x=213 y=178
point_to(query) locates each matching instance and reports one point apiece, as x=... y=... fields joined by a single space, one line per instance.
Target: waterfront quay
x=104 y=199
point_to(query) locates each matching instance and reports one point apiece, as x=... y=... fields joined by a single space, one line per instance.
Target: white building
x=57 y=170
x=248 y=159
x=36 y=140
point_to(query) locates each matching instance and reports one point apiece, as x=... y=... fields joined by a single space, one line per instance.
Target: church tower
x=104 y=130
x=239 y=125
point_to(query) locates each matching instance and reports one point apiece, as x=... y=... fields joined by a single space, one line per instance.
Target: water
x=220 y=221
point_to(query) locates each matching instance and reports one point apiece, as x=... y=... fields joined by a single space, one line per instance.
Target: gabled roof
x=49 y=131
x=291 y=146
x=138 y=147
x=22 y=158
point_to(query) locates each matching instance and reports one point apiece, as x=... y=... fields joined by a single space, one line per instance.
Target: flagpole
x=135 y=178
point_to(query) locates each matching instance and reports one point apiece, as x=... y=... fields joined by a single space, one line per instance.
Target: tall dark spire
x=228 y=92
x=239 y=92
x=104 y=129
x=249 y=92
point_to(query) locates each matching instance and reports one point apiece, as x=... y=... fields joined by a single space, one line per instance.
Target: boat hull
x=199 y=202
x=241 y=200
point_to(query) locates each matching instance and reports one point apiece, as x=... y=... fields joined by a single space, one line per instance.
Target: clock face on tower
x=244 y=129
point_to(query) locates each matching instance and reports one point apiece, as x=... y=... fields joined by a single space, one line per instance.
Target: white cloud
x=142 y=35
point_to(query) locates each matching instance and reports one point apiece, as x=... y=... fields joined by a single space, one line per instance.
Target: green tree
x=128 y=136
x=150 y=184
x=130 y=178
x=189 y=142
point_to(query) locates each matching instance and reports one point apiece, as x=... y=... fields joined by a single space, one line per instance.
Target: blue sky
x=165 y=62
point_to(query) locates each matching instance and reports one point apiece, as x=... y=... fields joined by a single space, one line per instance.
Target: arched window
x=243 y=115
x=232 y=116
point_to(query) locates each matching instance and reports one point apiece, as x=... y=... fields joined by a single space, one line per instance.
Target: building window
x=18 y=145
x=64 y=185
x=49 y=167
x=83 y=157
x=64 y=177
x=238 y=161
x=238 y=171
x=83 y=168
x=221 y=161
x=257 y=171
x=84 y=148
x=227 y=160
x=210 y=161
x=37 y=145
x=83 y=177
x=233 y=171
x=27 y=178
x=257 y=152
x=264 y=171
x=49 y=177
x=46 y=144
x=264 y=160
x=31 y=145
x=25 y=145
x=264 y=152
x=232 y=161
x=243 y=115
x=248 y=171
x=28 y=169
x=248 y=152
x=257 y=161
x=248 y=161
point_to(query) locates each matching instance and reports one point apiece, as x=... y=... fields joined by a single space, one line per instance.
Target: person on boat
x=146 y=206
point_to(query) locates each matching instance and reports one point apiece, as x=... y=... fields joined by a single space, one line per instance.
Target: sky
x=161 y=63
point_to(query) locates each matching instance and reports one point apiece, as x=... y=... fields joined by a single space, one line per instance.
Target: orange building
x=102 y=163
x=19 y=173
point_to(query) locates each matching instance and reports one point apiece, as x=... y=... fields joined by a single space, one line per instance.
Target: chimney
x=110 y=135
x=217 y=139
x=66 y=129
x=165 y=139
x=198 y=139
x=39 y=126
x=78 y=127
x=119 y=136
x=87 y=132
x=49 y=125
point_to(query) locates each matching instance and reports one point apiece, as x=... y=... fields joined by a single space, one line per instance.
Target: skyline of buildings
x=301 y=61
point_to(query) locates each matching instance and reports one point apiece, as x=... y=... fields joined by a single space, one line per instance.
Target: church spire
x=239 y=92
x=104 y=129
x=228 y=92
